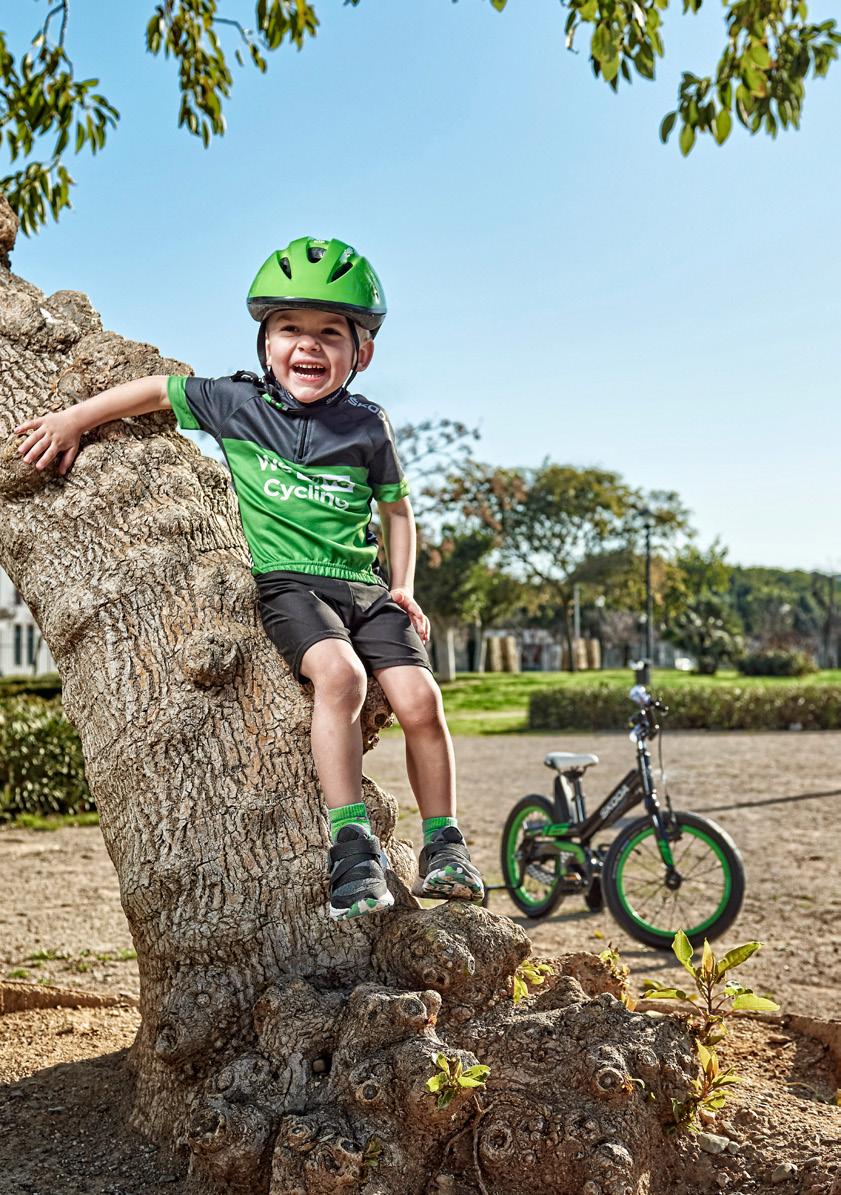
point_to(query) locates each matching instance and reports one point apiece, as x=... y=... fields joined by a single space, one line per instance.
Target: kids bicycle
x=665 y=871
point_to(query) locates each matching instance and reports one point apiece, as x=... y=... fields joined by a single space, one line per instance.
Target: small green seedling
x=449 y=1079
x=372 y=1154
x=706 y=1094
x=620 y=971
x=714 y=1000
x=46 y=956
x=528 y=973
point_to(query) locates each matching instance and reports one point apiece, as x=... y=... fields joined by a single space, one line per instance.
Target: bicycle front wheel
x=532 y=877
x=702 y=897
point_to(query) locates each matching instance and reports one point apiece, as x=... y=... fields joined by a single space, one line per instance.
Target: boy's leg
x=416 y=700
x=357 y=874
x=445 y=867
x=340 y=684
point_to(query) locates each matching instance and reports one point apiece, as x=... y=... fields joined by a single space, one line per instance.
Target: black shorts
x=299 y=610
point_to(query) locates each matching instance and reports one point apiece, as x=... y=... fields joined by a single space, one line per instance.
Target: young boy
x=306 y=458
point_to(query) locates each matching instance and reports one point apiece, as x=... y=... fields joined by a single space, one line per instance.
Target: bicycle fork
x=655 y=812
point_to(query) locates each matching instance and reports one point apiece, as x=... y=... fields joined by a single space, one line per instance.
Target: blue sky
x=554 y=274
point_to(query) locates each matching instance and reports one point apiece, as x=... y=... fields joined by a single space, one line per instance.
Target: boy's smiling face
x=311 y=352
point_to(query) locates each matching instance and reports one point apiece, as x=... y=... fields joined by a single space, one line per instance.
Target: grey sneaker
x=357 y=874
x=445 y=871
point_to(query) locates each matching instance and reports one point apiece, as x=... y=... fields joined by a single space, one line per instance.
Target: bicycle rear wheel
x=704 y=902
x=533 y=879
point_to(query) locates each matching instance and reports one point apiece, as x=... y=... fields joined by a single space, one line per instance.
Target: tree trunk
x=280 y=1052
x=443 y=633
x=477 y=646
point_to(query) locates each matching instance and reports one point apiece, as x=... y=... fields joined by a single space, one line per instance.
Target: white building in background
x=22 y=650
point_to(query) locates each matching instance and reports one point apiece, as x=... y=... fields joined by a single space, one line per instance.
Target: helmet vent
x=285 y=266
x=315 y=252
x=340 y=270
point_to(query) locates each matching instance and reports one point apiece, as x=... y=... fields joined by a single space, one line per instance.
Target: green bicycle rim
x=688 y=930
x=511 y=853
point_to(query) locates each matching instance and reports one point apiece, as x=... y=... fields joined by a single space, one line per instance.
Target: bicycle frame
x=573 y=832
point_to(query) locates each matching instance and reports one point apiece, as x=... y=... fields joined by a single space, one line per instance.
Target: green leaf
x=664 y=994
x=477 y=1072
x=726 y=1079
x=759 y=54
x=610 y=68
x=499 y=4
x=739 y=954
x=681 y=945
x=751 y=1003
x=754 y=79
x=442 y=1063
x=721 y=131
x=707 y=958
x=436 y=1082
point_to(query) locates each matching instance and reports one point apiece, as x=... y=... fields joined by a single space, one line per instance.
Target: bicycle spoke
x=654 y=865
x=714 y=865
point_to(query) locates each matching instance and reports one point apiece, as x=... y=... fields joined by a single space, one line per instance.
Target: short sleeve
x=202 y=404
x=385 y=475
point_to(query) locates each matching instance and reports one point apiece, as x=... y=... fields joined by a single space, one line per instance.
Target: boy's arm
x=398 y=524
x=58 y=433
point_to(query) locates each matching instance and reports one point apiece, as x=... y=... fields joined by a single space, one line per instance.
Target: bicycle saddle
x=566 y=761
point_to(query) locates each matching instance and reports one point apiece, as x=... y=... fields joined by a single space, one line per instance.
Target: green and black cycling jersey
x=304 y=474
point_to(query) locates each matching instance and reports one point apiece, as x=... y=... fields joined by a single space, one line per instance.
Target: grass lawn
x=497 y=702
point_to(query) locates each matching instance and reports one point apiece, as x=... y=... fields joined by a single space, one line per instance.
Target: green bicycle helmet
x=328 y=275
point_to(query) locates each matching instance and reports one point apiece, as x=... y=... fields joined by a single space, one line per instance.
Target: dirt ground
x=778 y=795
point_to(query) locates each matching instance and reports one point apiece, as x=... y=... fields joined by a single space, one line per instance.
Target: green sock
x=431 y=825
x=346 y=815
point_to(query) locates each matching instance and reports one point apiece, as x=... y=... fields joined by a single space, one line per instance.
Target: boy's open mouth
x=307 y=372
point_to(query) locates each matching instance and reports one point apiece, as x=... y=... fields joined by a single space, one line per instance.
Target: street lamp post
x=648 y=525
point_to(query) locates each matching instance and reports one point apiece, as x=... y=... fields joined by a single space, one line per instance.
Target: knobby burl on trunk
x=278 y=1051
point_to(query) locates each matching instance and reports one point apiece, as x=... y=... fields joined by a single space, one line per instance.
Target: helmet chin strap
x=354 y=335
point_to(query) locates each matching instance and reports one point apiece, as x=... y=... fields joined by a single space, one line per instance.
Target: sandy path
x=60 y=890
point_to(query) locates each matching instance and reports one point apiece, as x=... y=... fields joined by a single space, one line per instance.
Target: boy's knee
x=423 y=710
x=340 y=678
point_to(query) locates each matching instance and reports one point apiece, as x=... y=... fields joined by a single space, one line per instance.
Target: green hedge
x=692 y=707
x=47 y=685
x=41 y=765
x=777 y=663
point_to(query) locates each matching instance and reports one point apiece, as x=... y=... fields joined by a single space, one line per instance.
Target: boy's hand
x=50 y=436
x=418 y=619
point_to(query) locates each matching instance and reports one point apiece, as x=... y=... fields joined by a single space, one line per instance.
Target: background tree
x=784 y=608
x=699 y=615
x=825 y=594
x=770 y=50
x=613 y=584
x=548 y=521
x=455 y=584
x=448 y=585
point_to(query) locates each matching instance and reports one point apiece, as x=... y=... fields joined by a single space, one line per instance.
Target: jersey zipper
x=302 y=439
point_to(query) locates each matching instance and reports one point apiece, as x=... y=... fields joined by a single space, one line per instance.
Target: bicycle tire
x=633 y=881
x=528 y=899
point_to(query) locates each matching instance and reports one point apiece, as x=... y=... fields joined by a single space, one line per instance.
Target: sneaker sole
x=437 y=886
x=360 y=908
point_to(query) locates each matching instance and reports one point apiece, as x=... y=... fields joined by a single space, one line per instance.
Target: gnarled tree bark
x=278 y=1051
